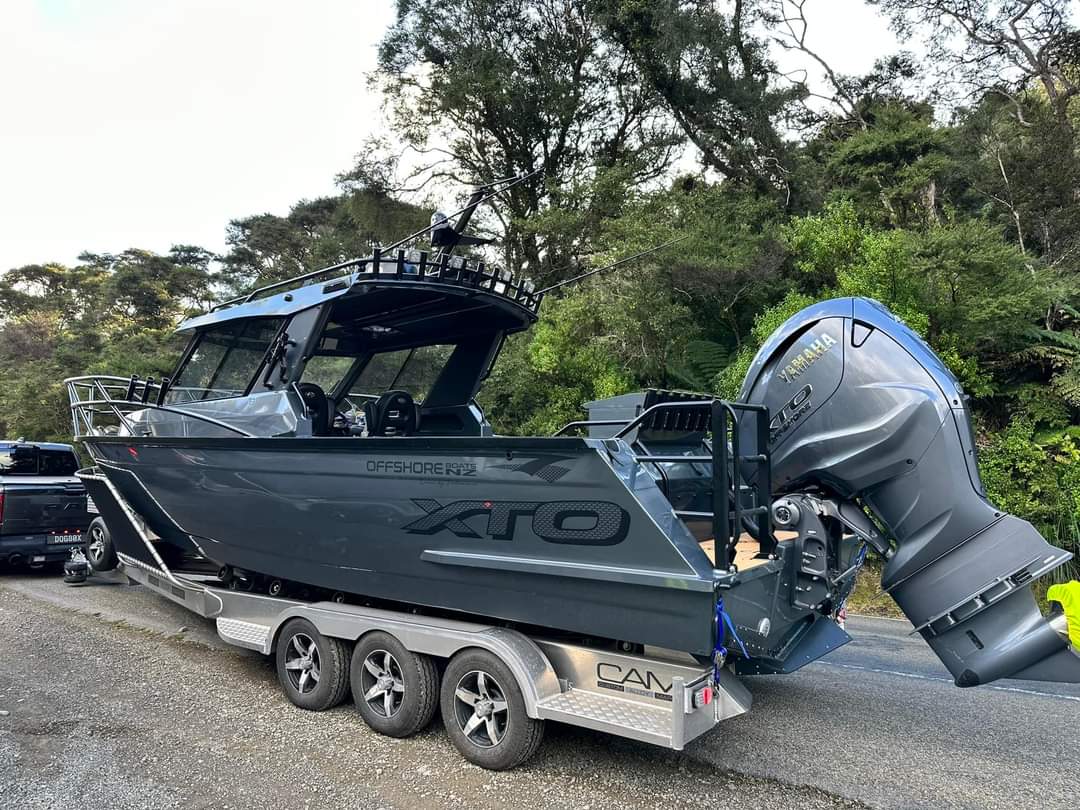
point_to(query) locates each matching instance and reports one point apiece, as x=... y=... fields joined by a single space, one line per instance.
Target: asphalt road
x=117 y=698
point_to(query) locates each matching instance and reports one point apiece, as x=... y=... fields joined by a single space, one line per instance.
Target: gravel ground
x=97 y=712
x=119 y=698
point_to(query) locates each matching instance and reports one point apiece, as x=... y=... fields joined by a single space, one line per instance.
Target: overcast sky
x=148 y=123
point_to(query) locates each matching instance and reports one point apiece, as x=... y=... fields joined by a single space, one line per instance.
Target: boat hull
x=559 y=533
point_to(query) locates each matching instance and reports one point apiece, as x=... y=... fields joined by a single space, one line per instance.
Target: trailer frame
x=656 y=696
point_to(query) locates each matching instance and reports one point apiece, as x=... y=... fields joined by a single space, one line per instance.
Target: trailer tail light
x=703 y=697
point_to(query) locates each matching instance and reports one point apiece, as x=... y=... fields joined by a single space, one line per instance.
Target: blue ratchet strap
x=723 y=622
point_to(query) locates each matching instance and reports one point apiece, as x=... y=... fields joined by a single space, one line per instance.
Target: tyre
x=484 y=712
x=395 y=691
x=76 y=571
x=100 y=552
x=312 y=668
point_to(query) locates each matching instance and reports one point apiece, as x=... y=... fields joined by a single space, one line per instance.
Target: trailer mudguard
x=863 y=408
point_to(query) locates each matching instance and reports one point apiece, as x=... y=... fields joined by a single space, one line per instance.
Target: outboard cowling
x=863 y=408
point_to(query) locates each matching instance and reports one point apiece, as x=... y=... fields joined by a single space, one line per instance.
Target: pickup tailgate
x=42 y=505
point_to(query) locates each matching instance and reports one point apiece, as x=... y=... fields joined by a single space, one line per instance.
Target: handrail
x=122 y=383
x=180 y=411
x=633 y=423
x=95 y=377
x=588 y=423
x=728 y=513
x=438 y=268
x=91 y=395
x=243 y=299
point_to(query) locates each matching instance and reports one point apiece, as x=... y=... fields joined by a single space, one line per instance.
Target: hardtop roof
x=414 y=279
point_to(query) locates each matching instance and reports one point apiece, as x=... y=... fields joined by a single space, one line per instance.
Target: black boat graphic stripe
x=546 y=468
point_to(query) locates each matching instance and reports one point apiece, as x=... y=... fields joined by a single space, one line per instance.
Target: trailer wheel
x=312 y=668
x=100 y=552
x=395 y=691
x=484 y=712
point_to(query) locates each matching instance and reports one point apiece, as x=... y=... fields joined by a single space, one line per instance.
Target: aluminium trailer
x=495 y=685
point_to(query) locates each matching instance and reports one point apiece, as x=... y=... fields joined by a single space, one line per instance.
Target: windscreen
x=327 y=371
x=224 y=361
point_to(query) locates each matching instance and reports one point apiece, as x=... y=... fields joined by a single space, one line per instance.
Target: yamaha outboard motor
x=864 y=412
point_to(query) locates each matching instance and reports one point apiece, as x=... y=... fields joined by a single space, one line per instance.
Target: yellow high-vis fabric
x=1068 y=596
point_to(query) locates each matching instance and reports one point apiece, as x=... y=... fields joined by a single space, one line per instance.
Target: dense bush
x=632 y=123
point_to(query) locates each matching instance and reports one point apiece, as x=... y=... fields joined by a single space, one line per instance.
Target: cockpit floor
x=746 y=551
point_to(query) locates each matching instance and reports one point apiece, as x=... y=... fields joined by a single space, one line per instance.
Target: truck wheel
x=100 y=552
x=312 y=668
x=484 y=712
x=395 y=691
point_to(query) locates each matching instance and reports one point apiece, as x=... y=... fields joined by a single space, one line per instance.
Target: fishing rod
x=613 y=265
x=470 y=205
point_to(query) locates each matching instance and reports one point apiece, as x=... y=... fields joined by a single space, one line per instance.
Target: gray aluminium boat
x=320 y=438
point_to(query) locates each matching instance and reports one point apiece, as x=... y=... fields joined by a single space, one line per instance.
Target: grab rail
x=662 y=406
x=588 y=423
x=101 y=401
x=398 y=263
x=727 y=458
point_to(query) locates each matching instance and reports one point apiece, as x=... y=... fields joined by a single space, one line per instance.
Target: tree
x=1029 y=175
x=894 y=166
x=113 y=313
x=997 y=46
x=544 y=377
x=498 y=88
x=963 y=287
x=728 y=264
x=844 y=98
x=140 y=290
x=316 y=233
x=714 y=78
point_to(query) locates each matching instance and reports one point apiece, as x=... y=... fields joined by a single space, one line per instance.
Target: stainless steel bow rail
x=101 y=404
x=739 y=495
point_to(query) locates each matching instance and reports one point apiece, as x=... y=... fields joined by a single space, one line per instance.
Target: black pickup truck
x=42 y=504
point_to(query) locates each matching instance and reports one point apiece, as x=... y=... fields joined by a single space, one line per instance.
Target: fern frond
x=706 y=358
x=1067 y=385
x=1066 y=340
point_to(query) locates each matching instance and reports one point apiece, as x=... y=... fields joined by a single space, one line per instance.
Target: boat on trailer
x=327 y=437
x=317 y=470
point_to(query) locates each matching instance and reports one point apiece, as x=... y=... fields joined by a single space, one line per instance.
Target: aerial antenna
x=613 y=265
x=477 y=198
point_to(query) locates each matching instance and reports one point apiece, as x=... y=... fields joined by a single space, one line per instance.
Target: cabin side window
x=224 y=361
x=411 y=370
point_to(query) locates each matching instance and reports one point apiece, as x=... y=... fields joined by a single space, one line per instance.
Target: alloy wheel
x=382 y=683
x=95 y=549
x=481 y=709
x=302 y=663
